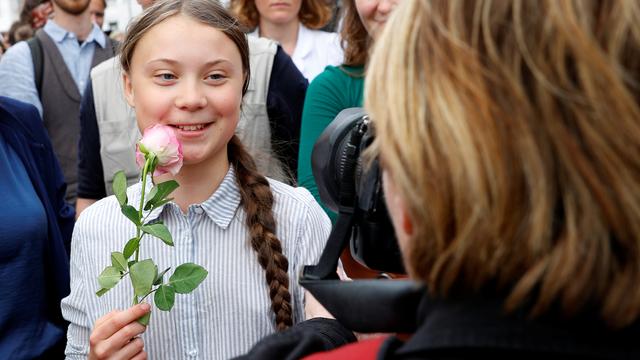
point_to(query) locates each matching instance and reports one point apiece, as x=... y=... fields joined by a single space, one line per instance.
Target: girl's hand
x=114 y=335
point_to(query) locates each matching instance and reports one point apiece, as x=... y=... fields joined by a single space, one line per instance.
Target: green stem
x=149 y=293
x=145 y=170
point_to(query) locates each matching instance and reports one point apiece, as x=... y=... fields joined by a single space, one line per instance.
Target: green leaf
x=130 y=263
x=187 y=277
x=131 y=213
x=150 y=196
x=120 y=187
x=158 y=279
x=143 y=273
x=101 y=292
x=109 y=277
x=160 y=231
x=131 y=247
x=162 y=190
x=160 y=203
x=144 y=319
x=118 y=261
x=164 y=297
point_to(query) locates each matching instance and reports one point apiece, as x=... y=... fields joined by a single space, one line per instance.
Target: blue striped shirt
x=230 y=310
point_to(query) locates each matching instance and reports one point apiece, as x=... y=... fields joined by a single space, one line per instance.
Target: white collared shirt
x=315 y=50
x=231 y=309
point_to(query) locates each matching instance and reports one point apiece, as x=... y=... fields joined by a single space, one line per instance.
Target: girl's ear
x=128 y=89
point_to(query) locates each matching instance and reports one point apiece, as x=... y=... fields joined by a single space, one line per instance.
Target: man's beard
x=73 y=7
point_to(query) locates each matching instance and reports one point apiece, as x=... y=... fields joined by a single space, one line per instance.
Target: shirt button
x=198 y=210
x=193 y=352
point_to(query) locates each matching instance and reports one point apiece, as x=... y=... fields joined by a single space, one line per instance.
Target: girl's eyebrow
x=175 y=62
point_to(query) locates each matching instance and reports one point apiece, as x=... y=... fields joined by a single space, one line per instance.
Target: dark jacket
x=23 y=130
x=476 y=327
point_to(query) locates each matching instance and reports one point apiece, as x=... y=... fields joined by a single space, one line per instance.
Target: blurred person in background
x=35 y=236
x=36 y=13
x=339 y=88
x=51 y=72
x=508 y=133
x=96 y=9
x=19 y=31
x=294 y=25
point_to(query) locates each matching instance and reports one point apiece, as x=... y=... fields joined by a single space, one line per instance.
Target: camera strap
x=340 y=235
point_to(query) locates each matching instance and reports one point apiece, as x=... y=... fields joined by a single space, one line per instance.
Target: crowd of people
x=507 y=133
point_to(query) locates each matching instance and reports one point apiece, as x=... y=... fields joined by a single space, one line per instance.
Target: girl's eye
x=166 y=76
x=216 y=77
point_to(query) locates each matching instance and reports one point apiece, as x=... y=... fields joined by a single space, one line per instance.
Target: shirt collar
x=58 y=33
x=304 y=45
x=221 y=206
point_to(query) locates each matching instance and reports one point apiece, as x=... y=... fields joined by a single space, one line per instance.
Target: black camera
x=347 y=184
x=353 y=189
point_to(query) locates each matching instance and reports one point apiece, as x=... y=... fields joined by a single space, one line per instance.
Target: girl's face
x=374 y=14
x=189 y=76
x=278 y=11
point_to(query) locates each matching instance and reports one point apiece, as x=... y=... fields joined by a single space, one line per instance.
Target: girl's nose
x=191 y=97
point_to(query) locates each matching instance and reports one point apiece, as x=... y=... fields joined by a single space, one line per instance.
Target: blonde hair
x=512 y=131
x=313 y=14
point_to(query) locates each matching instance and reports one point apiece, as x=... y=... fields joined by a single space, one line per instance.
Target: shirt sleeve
x=74 y=306
x=90 y=172
x=16 y=72
x=312 y=238
x=323 y=102
x=285 y=99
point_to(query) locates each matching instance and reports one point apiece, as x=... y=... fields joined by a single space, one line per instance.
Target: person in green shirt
x=340 y=87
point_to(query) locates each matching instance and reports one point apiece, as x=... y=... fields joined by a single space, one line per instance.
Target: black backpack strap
x=38 y=62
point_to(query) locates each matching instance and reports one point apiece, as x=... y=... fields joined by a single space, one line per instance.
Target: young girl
x=186 y=66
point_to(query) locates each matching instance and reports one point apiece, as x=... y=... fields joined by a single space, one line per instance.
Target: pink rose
x=160 y=140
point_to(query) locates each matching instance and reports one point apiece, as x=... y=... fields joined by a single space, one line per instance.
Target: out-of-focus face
x=398 y=213
x=374 y=14
x=96 y=9
x=40 y=14
x=278 y=11
x=74 y=7
x=146 y=3
x=189 y=76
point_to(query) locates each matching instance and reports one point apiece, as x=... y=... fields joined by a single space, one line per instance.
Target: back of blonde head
x=512 y=129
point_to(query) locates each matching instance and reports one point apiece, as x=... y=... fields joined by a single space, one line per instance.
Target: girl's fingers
x=115 y=322
x=133 y=350
x=142 y=355
x=105 y=318
x=123 y=339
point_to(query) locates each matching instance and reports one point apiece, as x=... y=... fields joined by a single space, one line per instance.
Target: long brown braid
x=257 y=201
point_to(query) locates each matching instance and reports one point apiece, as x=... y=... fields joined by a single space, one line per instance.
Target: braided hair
x=257 y=202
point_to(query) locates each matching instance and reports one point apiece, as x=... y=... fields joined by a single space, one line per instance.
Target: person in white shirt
x=294 y=24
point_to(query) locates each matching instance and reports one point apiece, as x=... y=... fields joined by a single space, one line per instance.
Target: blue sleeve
x=285 y=100
x=90 y=171
x=16 y=72
x=48 y=170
